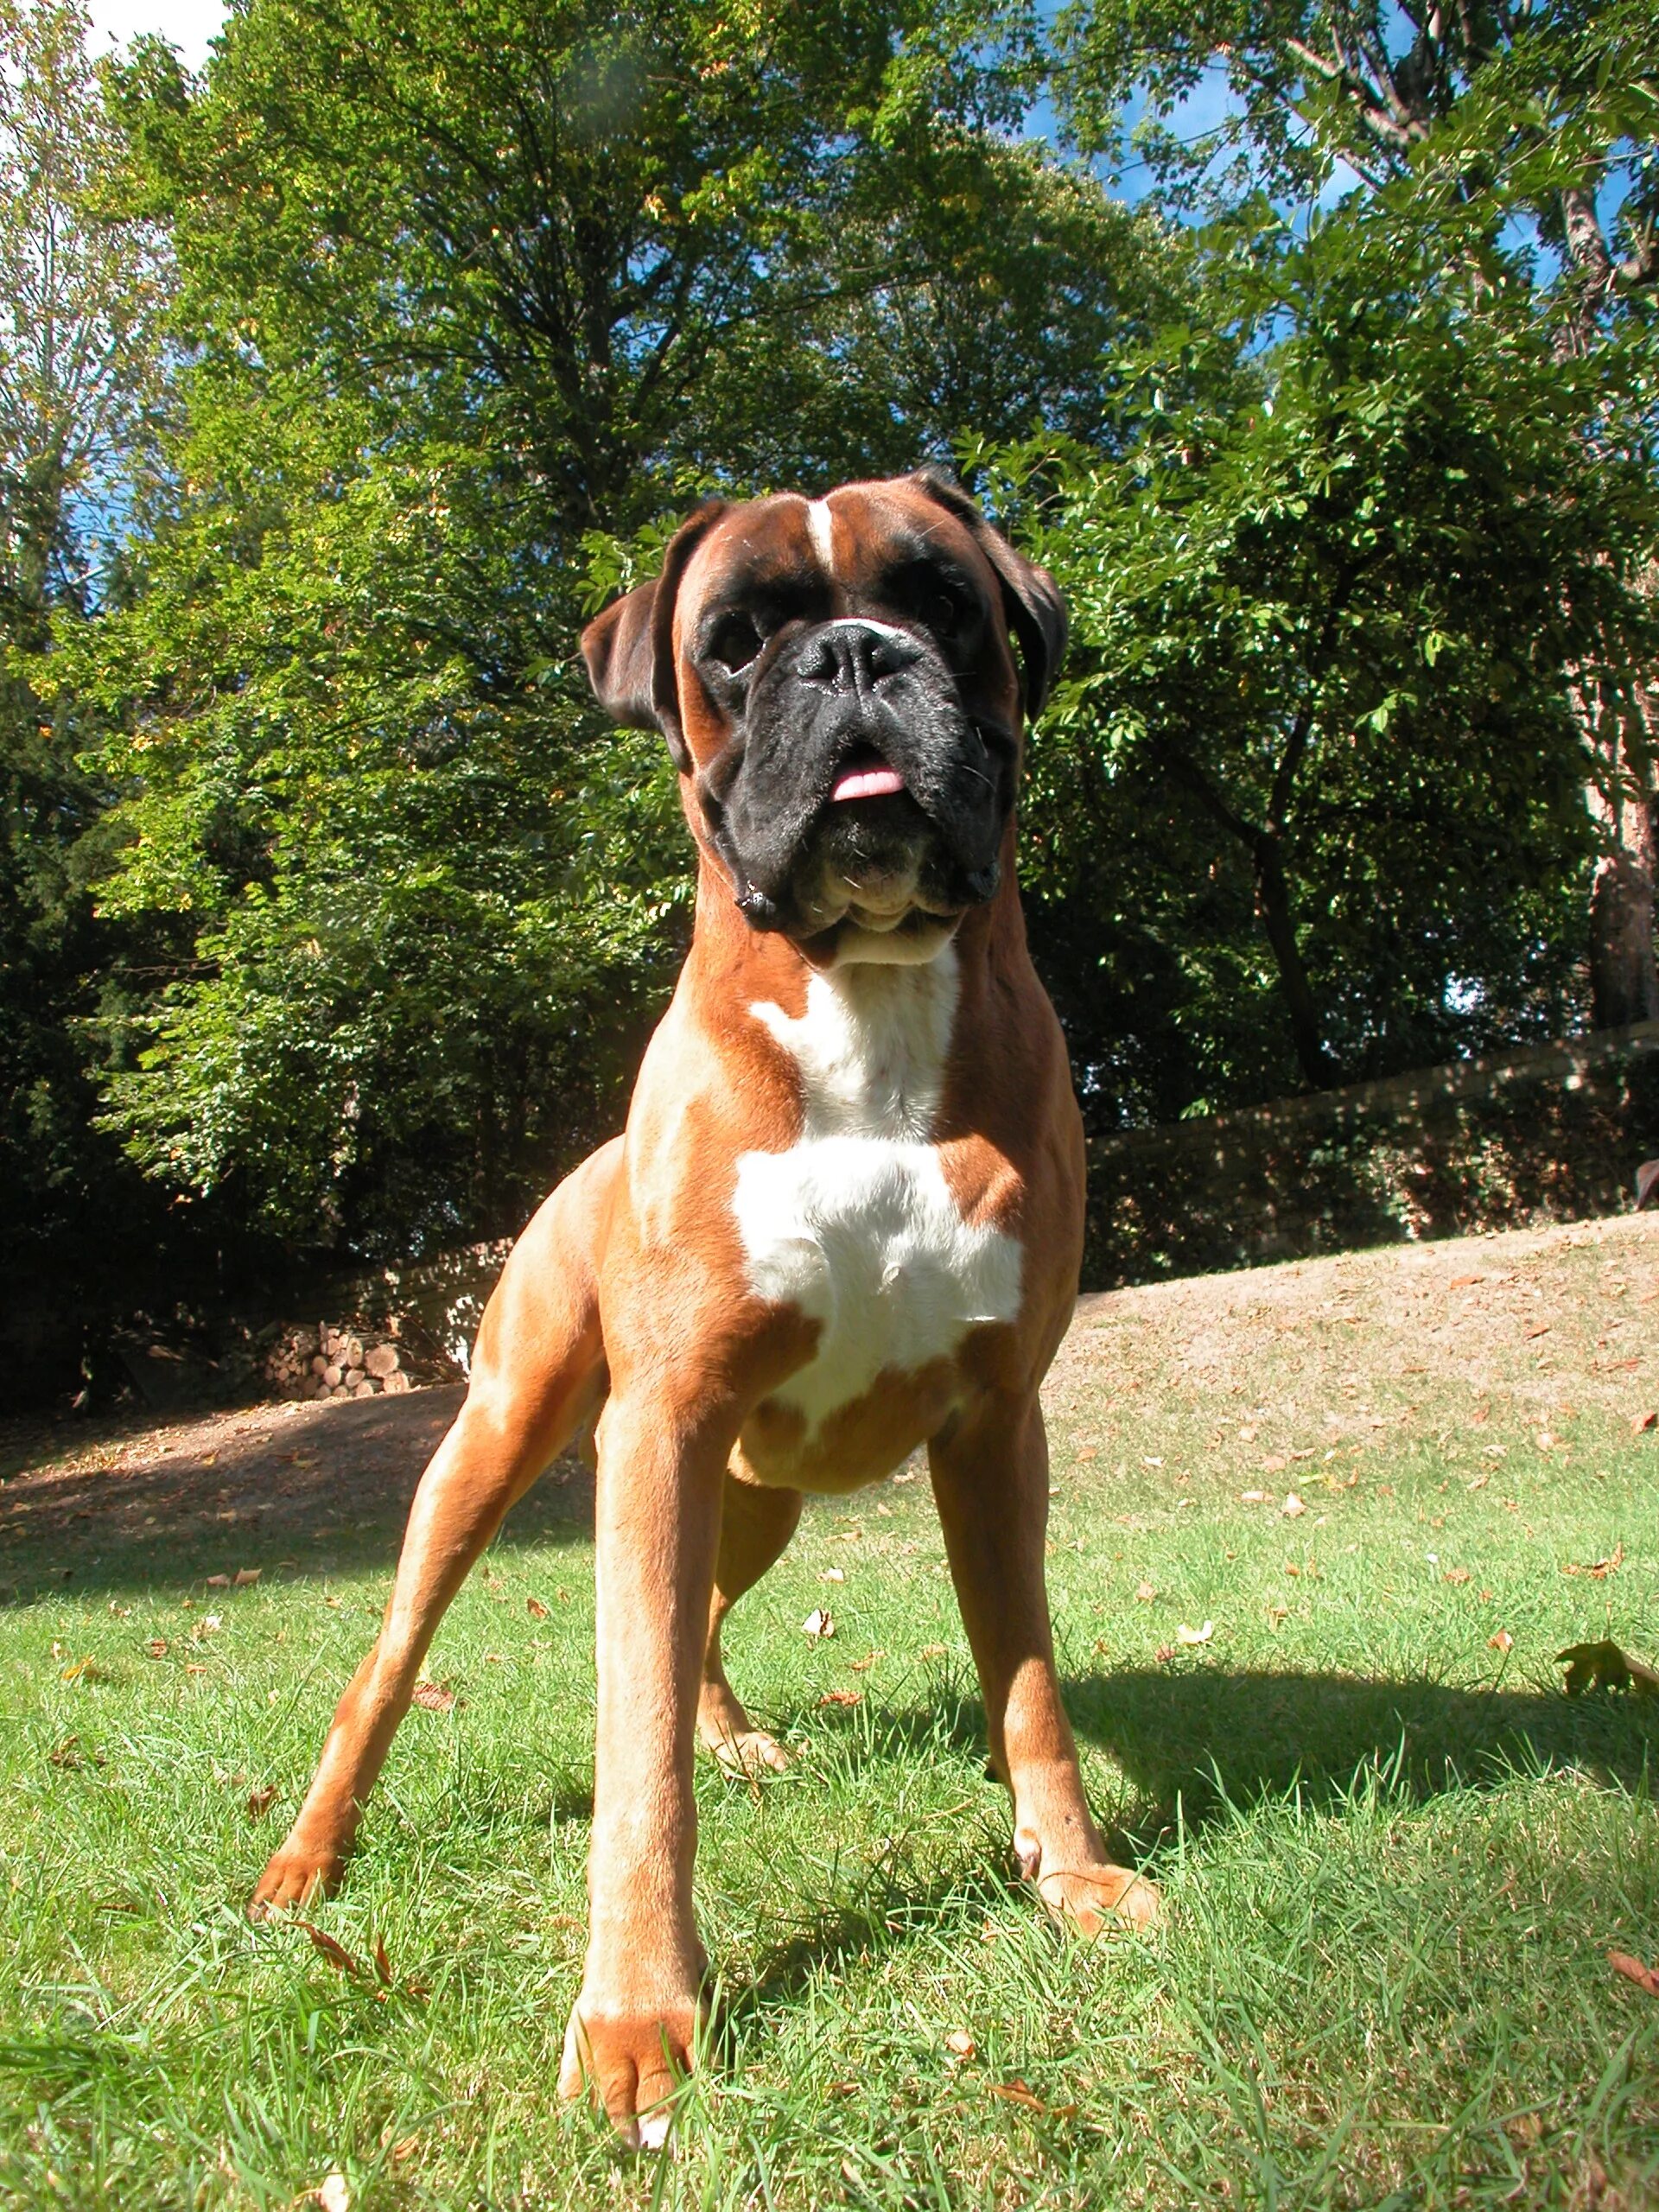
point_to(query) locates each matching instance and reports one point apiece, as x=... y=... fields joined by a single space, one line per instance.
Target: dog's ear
x=1030 y=597
x=629 y=649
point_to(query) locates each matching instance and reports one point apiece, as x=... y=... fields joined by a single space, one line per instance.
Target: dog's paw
x=748 y=1753
x=632 y=2063
x=1090 y=1899
x=296 y=1875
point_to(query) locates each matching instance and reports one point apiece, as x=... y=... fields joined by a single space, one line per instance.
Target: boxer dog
x=845 y=1218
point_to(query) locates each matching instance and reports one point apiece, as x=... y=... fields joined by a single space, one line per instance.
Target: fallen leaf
x=536 y=1609
x=1276 y=1614
x=1164 y=1653
x=1252 y=1497
x=1639 y=1421
x=1603 y=1666
x=932 y=1651
x=194 y=1667
x=1016 y=2092
x=82 y=1670
x=1247 y=1435
x=1466 y=1282
x=218 y=1582
x=840 y=2088
x=1647 y=1181
x=261 y=1801
x=833 y=1575
x=1145 y=1592
x=1292 y=1506
x=157 y=1647
x=1185 y=1635
x=1274 y=1463
x=1479 y=1482
x=841 y=1697
x=1540 y=1329
x=1599 y=1569
x=382 y=1963
x=1089 y=1452
x=960 y=2043
x=336 y=1954
x=1147 y=1462
x=1503 y=1641
x=819 y=1624
x=1458 y=1574
x=1633 y=1970
x=435 y=1697
x=333 y=2196
x=245 y=1576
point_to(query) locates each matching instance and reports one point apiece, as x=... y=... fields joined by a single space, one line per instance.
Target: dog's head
x=835 y=682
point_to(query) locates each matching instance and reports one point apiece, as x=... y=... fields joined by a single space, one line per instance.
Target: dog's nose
x=854 y=655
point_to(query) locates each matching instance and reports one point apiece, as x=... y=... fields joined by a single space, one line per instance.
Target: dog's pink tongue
x=877 y=781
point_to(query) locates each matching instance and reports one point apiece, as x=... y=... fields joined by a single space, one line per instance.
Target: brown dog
x=845 y=1218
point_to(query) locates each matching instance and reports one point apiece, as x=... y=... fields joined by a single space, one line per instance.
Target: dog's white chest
x=855 y=1224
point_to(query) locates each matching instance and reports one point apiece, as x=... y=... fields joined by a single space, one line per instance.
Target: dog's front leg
x=990 y=1477
x=657 y=1533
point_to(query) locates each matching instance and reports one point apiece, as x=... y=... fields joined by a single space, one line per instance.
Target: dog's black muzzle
x=825 y=710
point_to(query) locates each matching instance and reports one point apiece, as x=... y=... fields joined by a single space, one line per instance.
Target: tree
x=80 y=378
x=1549 y=118
x=478 y=298
x=1334 y=627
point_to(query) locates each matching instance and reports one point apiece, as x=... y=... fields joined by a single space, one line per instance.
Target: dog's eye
x=942 y=612
x=735 y=641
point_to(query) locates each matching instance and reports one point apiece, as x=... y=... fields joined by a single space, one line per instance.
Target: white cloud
x=188 y=24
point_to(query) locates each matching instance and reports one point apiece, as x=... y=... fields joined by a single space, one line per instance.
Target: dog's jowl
x=845 y=1220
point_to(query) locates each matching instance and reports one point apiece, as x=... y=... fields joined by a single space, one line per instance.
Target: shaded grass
x=1394 y=1855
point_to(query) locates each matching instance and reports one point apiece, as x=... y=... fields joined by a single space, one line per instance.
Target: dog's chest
x=855 y=1224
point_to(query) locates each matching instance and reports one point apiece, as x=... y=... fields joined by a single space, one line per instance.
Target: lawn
x=1384 y=1491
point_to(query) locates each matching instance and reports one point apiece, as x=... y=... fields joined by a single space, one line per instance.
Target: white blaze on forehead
x=821 y=528
x=855 y=1224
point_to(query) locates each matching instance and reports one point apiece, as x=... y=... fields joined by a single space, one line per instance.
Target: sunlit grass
x=1395 y=1857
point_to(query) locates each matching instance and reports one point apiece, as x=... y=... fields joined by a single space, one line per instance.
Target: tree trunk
x=1318 y=1063
x=1623 y=973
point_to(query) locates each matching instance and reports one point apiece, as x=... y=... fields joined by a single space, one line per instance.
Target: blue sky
x=188 y=24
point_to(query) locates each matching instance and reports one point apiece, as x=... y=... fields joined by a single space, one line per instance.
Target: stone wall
x=1554 y=1133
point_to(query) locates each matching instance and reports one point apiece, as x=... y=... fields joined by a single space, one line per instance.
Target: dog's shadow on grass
x=1208 y=1739
x=1200 y=1741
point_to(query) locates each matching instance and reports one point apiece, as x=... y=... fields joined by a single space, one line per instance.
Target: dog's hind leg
x=990 y=1477
x=538 y=1373
x=755 y=1526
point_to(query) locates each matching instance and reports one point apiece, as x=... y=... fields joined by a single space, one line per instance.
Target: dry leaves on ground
x=1605 y=1665
x=435 y=1697
x=1185 y=1634
x=819 y=1624
x=342 y=1960
x=1633 y=1970
x=1599 y=1569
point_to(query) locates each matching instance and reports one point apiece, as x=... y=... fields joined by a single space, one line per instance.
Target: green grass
x=1395 y=1857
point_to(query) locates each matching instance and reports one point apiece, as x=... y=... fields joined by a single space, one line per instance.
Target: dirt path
x=310 y=1485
